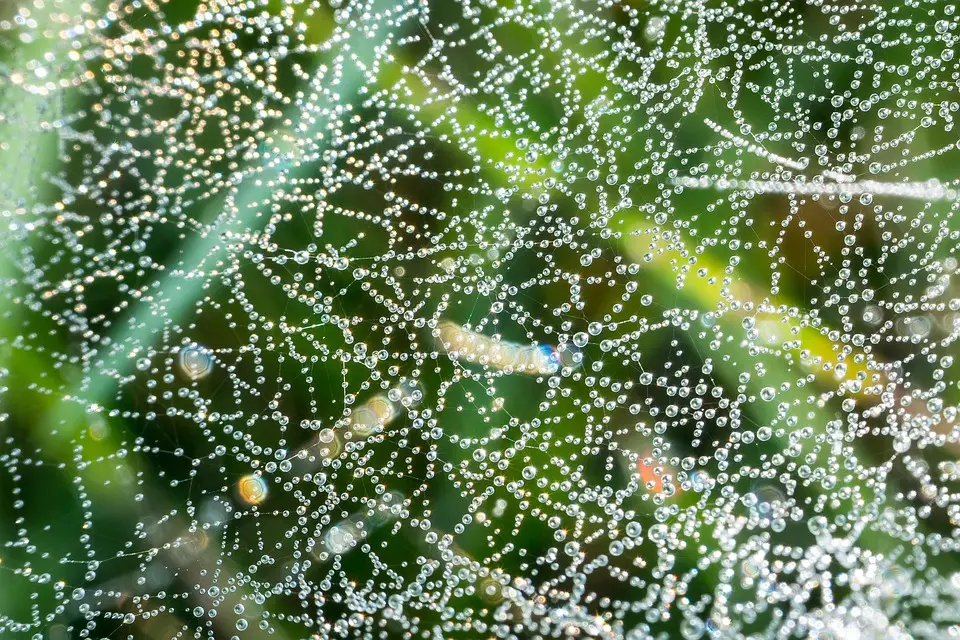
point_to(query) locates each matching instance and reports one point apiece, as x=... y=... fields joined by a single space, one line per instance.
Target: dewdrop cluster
x=476 y=348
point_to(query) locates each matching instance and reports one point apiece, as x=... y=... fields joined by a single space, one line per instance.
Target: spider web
x=462 y=319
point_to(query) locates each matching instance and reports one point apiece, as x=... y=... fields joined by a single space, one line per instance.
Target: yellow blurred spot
x=252 y=489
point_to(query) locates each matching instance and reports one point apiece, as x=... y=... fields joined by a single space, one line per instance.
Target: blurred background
x=463 y=319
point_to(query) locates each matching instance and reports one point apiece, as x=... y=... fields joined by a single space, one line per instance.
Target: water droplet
x=252 y=489
x=195 y=362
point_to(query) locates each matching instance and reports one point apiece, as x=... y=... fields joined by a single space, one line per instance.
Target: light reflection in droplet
x=252 y=489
